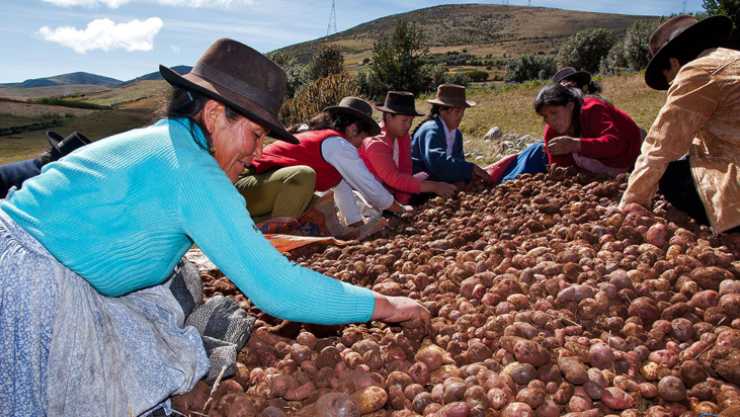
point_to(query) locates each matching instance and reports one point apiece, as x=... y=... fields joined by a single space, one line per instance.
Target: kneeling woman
x=330 y=149
x=85 y=326
x=587 y=132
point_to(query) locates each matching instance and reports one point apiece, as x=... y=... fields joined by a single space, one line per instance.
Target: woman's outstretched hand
x=563 y=145
x=399 y=309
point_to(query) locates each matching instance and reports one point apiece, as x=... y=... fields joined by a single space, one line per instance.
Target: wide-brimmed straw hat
x=685 y=35
x=66 y=145
x=241 y=78
x=451 y=95
x=358 y=108
x=571 y=74
x=399 y=102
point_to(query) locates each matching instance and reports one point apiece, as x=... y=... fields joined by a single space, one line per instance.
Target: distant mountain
x=74 y=78
x=478 y=29
x=180 y=69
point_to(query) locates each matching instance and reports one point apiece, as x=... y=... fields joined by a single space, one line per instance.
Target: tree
x=586 y=49
x=729 y=8
x=398 y=59
x=327 y=61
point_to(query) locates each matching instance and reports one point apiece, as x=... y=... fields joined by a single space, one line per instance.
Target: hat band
x=235 y=85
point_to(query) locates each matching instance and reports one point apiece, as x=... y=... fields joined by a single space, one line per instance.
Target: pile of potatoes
x=546 y=301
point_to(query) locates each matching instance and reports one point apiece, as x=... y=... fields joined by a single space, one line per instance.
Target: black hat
x=359 y=108
x=243 y=79
x=682 y=34
x=581 y=78
x=399 y=102
x=65 y=146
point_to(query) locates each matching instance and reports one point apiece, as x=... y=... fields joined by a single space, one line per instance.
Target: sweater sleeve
x=343 y=156
x=433 y=148
x=344 y=199
x=213 y=214
x=380 y=156
x=692 y=99
x=603 y=139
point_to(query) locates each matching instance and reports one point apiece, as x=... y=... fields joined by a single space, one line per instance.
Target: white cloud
x=186 y=3
x=71 y=3
x=136 y=35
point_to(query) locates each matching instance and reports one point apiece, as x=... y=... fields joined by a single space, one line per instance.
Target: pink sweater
x=377 y=152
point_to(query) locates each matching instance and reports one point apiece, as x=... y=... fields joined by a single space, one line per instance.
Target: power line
x=332 y=27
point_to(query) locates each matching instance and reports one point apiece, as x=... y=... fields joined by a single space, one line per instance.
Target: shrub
x=530 y=67
x=614 y=62
x=296 y=73
x=477 y=76
x=636 y=50
x=327 y=61
x=586 y=49
x=317 y=95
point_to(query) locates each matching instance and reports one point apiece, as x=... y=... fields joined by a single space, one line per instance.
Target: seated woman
x=329 y=148
x=586 y=132
x=437 y=146
x=86 y=326
x=388 y=155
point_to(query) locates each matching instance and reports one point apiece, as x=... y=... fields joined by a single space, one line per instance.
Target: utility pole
x=332 y=27
x=529 y=3
x=684 y=7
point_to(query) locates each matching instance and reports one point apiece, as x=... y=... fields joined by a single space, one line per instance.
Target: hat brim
x=392 y=111
x=468 y=103
x=54 y=139
x=708 y=33
x=199 y=85
x=367 y=120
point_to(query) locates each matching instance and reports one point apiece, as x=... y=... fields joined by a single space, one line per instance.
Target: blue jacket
x=429 y=154
x=15 y=173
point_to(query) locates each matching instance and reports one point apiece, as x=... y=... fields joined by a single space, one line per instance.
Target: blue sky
x=127 y=38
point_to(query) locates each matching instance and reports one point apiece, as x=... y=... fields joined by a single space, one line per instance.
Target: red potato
x=517 y=409
x=672 y=389
x=370 y=399
x=335 y=404
x=573 y=370
x=458 y=409
x=617 y=399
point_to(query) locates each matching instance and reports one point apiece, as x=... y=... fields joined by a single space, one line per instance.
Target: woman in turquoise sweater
x=86 y=328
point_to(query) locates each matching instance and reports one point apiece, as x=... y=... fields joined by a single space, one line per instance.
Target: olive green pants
x=284 y=192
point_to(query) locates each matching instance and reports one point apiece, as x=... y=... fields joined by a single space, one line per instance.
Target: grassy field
x=95 y=125
x=507 y=106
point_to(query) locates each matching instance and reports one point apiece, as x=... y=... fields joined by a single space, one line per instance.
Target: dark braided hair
x=337 y=121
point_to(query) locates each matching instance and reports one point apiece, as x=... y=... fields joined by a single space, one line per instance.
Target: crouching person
x=437 y=146
x=388 y=155
x=86 y=326
x=692 y=151
x=330 y=149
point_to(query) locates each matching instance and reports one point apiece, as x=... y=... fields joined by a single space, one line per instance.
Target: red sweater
x=608 y=135
x=307 y=152
x=377 y=153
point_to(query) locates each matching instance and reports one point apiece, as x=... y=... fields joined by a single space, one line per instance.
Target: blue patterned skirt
x=66 y=350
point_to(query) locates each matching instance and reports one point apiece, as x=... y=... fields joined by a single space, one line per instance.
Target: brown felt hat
x=571 y=74
x=358 y=108
x=399 y=102
x=241 y=78
x=682 y=34
x=451 y=95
